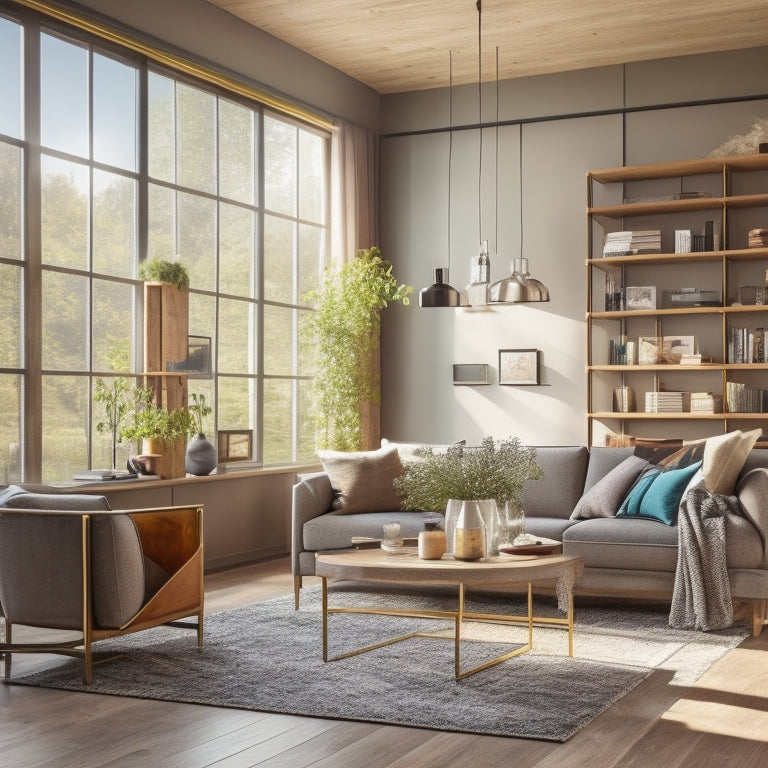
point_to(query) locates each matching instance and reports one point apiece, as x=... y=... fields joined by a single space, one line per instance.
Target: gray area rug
x=268 y=657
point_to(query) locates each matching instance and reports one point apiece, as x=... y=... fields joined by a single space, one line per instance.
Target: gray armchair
x=68 y=562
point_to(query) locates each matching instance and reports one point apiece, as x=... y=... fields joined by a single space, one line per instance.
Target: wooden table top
x=377 y=565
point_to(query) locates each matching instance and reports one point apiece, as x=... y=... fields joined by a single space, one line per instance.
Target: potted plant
x=115 y=397
x=343 y=332
x=200 y=457
x=490 y=475
x=164 y=271
x=156 y=426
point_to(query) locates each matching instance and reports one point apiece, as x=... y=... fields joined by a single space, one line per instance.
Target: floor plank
x=721 y=721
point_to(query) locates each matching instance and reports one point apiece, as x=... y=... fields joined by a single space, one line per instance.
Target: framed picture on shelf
x=640 y=296
x=674 y=347
x=235 y=444
x=518 y=367
x=648 y=350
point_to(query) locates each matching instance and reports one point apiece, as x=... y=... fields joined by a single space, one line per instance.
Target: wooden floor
x=721 y=722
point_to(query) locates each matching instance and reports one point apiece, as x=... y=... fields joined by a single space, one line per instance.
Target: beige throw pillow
x=363 y=481
x=724 y=456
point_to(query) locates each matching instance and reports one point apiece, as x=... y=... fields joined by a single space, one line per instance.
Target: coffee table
x=374 y=565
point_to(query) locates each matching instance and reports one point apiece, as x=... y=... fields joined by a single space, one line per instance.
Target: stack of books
x=632 y=242
x=706 y=402
x=747 y=345
x=758 y=238
x=664 y=402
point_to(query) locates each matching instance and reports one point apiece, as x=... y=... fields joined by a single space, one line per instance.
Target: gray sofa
x=623 y=557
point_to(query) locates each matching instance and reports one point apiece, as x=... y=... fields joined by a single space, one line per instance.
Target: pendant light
x=519 y=286
x=441 y=293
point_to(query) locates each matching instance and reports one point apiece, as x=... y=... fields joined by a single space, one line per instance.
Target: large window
x=104 y=161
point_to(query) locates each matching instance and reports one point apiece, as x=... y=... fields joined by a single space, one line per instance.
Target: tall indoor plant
x=343 y=332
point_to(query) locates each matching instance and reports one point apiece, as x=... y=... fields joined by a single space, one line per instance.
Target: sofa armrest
x=312 y=497
x=752 y=492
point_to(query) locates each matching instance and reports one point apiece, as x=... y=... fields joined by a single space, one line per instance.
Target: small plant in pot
x=201 y=453
x=155 y=425
x=490 y=475
x=164 y=271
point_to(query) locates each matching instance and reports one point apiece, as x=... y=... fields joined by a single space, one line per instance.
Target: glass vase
x=470 y=533
x=511 y=524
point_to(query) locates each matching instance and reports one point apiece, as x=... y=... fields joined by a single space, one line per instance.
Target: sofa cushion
x=659 y=499
x=724 y=457
x=625 y=543
x=64 y=502
x=329 y=532
x=604 y=498
x=363 y=481
x=556 y=494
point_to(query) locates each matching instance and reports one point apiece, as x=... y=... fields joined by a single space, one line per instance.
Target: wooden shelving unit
x=731 y=192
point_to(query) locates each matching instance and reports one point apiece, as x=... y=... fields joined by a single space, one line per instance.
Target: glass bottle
x=469 y=534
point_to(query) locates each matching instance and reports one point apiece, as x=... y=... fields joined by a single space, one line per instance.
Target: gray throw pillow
x=363 y=481
x=604 y=498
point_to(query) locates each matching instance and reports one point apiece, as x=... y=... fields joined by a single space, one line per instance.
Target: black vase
x=201 y=456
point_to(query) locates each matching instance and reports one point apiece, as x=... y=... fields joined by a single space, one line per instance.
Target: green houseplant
x=116 y=397
x=155 y=422
x=343 y=333
x=164 y=271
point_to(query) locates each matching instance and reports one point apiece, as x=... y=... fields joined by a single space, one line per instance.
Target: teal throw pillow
x=661 y=499
x=630 y=507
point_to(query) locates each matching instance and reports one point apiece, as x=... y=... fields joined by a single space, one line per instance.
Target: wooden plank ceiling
x=404 y=45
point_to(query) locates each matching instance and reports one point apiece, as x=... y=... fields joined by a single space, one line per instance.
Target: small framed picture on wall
x=518 y=367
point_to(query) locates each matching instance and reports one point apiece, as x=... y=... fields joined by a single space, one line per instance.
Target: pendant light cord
x=450 y=152
x=496 y=222
x=480 y=115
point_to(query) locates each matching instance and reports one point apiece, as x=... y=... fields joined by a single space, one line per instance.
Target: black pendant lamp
x=441 y=293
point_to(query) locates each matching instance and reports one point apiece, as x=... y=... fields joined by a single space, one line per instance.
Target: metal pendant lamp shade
x=440 y=293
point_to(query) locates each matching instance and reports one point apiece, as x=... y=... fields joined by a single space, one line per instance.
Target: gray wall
x=569 y=123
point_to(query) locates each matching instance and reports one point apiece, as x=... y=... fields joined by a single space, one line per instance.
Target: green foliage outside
x=492 y=470
x=343 y=332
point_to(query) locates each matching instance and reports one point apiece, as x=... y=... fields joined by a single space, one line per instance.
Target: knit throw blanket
x=702 y=594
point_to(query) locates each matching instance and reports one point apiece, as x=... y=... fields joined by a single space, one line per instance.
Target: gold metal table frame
x=372 y=565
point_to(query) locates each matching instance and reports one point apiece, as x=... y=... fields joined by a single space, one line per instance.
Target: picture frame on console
x=518 y=367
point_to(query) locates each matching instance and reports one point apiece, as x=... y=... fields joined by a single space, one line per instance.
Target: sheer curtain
x=354 y=152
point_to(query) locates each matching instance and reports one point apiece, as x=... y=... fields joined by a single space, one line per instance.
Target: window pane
x=234 y=405
x=114 y=113
x=196 y=115
x=10 y=317
x=278 y=341
x=65 y=414
x=196 y=246
x=113 y=322
x=278 y=259
x=162 y=137
x=114 y=225
x=280 y=166
x=306 y=353
x=202 y=317
x=10 y=428
x=236 y=152
x=101 y=442
x=10 y=202
x=161 y=234
x=311 y=259
x=64 y=211
x=64 y=96
x=236 y=250
x=10 y=83
x=312 y=177
x=237 y=348
x=64 y=322
x=278 y=420
x=305 y=449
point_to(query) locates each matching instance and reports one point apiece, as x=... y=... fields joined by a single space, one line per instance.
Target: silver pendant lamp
x=519 y=287
x=441 y=293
